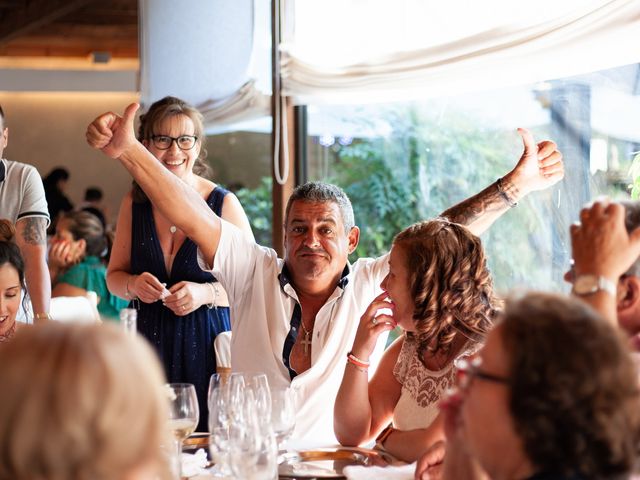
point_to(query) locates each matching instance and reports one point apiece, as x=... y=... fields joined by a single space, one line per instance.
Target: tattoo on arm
x=466 y=212
x=35 y=231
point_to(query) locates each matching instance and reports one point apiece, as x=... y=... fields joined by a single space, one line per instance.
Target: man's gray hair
x=323 y=192
x=632 y=221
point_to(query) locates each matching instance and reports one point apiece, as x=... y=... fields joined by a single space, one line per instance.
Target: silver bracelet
x=214 y=289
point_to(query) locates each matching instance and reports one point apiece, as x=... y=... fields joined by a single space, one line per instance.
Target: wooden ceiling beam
x=33 y=14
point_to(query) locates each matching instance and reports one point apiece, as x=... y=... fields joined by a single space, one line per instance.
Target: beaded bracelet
x=351 y=358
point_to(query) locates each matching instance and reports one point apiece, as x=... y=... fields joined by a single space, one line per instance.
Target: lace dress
x=422 y=388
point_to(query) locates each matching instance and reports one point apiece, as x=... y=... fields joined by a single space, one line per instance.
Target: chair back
x=75 y=309
x=222 y=350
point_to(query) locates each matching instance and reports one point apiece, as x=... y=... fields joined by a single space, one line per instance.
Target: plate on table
x=195 y=441
x=327 y=462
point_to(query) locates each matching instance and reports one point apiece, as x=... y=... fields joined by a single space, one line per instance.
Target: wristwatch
x=590 y=284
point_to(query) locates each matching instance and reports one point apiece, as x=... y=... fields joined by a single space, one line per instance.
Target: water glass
x=128 y=320
x=253 y=449
x=283 y=414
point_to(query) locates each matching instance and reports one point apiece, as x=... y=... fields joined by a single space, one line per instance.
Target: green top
x=91 y=275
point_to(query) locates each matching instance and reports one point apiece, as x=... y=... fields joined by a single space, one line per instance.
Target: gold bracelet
x=42 y=316
x=126 y=288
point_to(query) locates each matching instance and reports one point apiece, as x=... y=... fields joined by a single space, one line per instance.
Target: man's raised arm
x=177 y=201
x=539 y=167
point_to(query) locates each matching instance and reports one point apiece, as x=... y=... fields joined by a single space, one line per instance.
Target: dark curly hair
x=10 y=253
x=449 y=282
x=166 y=108
x=574 y=387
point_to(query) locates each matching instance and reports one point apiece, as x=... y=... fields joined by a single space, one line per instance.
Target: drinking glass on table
x=283 y=414
x=183 y=416
x=219 y=417
x=128 y=320
x=252 y=444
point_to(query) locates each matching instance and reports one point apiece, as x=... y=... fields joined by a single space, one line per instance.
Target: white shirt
x=261 y=311
x=21 y=192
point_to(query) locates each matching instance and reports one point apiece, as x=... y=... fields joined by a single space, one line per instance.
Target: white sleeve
x=34 y=203
x=235 y=261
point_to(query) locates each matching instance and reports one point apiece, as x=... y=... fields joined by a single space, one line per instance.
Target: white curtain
x=203 y=51
x=355 y=51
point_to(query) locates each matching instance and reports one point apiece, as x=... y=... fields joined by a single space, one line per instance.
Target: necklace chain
x=304 y=329
x=6 y=336
x=306 y=341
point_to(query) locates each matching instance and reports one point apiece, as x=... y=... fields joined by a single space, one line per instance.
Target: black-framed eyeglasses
x=184 y=142
x=468 y=370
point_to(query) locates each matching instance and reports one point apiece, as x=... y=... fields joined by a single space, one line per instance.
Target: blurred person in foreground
x=295 y=318
x=22 y=202
x=553 y=395
x=90 y=405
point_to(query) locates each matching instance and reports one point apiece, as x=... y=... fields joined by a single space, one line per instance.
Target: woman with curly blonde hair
x=439 y=291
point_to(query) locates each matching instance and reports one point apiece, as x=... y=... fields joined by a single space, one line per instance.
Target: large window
x=408 y=161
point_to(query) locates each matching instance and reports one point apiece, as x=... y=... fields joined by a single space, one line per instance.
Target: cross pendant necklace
x=306 y=340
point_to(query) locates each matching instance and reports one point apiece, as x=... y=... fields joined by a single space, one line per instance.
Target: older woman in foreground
x=553 y=396
x=80 y=402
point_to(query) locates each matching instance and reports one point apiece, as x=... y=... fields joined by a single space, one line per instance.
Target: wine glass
x=283 y=414
x=252 y=445
x=183 y=416
x=219 y=412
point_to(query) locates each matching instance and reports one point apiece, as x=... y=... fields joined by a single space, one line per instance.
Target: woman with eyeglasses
x=439 y=291
x=181 y=309
x=553 y=395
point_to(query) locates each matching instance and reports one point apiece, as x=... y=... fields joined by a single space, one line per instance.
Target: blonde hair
x=79 y=402
x=449 y=282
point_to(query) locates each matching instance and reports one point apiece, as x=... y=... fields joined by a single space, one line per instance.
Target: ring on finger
x=374 y=321
x=184 y=308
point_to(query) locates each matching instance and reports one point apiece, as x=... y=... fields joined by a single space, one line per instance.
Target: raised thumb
x=130 y=114
x=529 y=143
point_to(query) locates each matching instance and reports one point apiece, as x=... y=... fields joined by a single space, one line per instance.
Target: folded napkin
x=194 y=463
x=404 y=472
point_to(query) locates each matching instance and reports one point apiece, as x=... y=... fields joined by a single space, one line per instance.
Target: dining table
x=306 y=461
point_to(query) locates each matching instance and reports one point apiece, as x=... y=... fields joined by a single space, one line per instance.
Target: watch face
x=585 y=284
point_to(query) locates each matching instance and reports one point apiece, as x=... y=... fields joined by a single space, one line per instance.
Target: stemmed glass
x=283 y=414
x=252 y=445
x=183 y=416
x=219 y=412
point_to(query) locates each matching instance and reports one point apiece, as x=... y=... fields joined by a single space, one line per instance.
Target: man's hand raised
x=539 y=167
x=113 y=134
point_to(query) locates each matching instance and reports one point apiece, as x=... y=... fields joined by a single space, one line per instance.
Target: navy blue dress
x=184 y=344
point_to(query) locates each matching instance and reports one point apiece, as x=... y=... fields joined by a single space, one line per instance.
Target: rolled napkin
x=392 y=472
x=194 y=463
